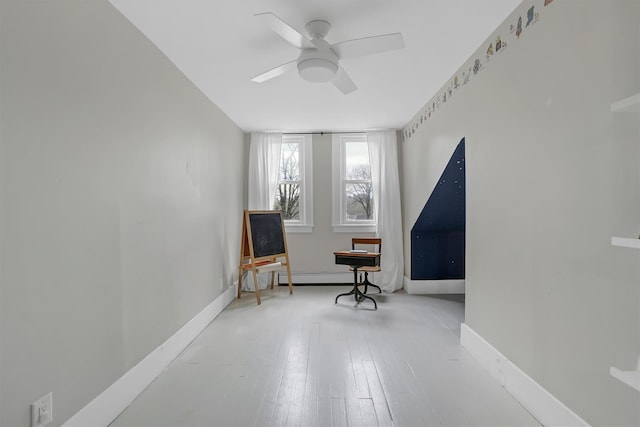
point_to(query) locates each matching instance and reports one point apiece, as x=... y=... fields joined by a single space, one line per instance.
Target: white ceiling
x=220 y=45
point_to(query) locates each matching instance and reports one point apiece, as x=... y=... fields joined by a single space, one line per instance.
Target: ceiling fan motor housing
x=318 y=29
x=318 y=65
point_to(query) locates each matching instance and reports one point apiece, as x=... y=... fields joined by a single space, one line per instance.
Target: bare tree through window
x=288 y=192
x=358 y=189
x=359 y=193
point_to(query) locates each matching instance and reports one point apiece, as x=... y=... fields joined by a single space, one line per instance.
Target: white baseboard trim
x=539 y=402
x=430 y=287
x=313 y=278
x=102 y=410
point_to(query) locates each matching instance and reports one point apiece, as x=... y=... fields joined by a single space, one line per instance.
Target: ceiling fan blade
x=368 y=45
x=343 y=82
x=275 y=72
x=286 y=31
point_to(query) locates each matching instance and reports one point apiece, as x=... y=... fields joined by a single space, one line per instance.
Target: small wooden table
x=356 y=260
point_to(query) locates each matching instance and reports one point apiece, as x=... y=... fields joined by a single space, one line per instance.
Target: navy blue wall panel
x=437 y=237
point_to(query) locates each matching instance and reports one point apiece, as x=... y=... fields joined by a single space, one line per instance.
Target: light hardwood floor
x=301 y=360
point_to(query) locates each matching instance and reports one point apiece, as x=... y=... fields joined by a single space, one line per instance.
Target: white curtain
x=264 y=170
x=383 y=154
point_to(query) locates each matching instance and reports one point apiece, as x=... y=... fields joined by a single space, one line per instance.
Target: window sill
x=354 y=228
x=298 y=228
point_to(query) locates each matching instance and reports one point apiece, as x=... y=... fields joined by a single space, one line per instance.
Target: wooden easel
x=263 y=243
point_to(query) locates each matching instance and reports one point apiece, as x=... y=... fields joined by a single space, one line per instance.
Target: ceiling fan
x=319 y=61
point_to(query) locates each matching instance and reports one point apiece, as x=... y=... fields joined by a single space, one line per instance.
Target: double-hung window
x=353 y=198
x=294 y=193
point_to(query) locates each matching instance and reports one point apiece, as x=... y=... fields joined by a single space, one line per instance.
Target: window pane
x=288 y=200
x=289 y=161
x=359 y=201
x=288 y=193
x=357 y=161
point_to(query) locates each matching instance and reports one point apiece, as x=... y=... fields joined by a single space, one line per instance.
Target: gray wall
x=552 y=174
x=122 y=190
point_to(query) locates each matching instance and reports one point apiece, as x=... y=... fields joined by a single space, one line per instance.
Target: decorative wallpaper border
x=504 y=38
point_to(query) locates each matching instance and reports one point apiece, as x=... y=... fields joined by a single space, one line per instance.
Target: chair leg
x=367 y=283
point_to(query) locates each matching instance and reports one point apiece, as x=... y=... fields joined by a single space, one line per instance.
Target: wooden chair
x=376 y=243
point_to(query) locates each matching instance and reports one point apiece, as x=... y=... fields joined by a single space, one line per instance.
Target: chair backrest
x=376 y=242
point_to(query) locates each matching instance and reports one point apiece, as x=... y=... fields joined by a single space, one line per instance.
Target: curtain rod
x=321 y=133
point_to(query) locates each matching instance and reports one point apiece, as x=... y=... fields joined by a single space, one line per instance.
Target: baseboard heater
x=316 y=278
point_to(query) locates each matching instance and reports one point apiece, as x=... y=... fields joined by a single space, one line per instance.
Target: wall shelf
x=626 y=242
x=627 y=105
x=630 y=378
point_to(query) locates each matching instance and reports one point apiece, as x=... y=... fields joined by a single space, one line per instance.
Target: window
x=353 y=199
x=294 y=193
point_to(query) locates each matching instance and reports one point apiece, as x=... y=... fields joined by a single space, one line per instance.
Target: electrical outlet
x=42 y=411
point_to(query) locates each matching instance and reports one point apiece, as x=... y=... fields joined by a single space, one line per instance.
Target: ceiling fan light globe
x=317 y=70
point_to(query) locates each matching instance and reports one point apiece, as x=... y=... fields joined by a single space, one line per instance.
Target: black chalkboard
x=263 y=242
x=267 y=234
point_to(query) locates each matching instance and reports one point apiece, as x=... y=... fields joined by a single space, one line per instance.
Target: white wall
x=121 y=189
x=552 y=174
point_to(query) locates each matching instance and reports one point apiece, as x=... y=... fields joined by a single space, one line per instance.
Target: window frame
x=305 y=164
x=339 y=156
